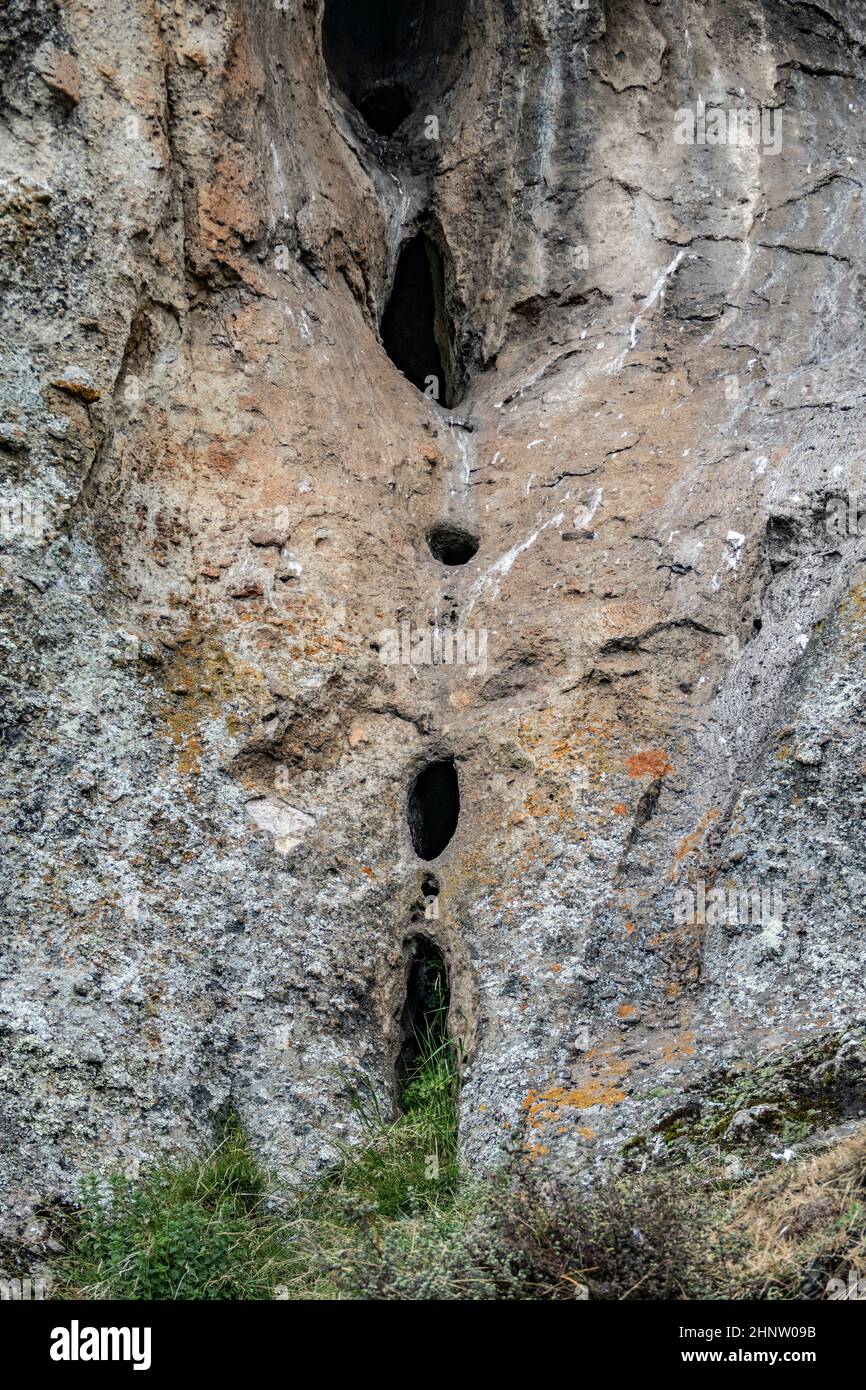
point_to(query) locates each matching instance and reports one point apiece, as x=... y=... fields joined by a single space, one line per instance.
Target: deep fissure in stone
x=424 y=1021
x=416 y=329
x=433 y=808
x=452 y=544
x=385 y=53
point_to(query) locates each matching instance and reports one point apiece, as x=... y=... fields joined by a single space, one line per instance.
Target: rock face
x=230 y=650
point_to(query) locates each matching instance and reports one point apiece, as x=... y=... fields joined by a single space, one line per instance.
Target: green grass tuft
x=204 y=1230
x=397 y=1220
x=199 y=1231
x=409 y=1166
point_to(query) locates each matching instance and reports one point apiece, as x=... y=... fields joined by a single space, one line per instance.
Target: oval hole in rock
x=452 y=544
x=433 y=808
x=416 y=330
x=424 y=1020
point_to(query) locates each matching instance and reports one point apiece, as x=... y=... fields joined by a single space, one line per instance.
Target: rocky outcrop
x=230 y=649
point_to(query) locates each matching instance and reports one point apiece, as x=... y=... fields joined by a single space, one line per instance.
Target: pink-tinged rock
x=246 y=588
x=265 y=535
x=60 y=72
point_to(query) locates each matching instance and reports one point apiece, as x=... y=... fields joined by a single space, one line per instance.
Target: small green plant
x=197 y=1231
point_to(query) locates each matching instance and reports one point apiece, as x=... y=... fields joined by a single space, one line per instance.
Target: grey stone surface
x=216 y=494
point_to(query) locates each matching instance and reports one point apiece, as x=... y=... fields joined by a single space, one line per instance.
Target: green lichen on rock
x=784 y=1099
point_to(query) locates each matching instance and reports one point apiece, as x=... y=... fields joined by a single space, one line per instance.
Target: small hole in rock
x=415 y=328
x=452 y=544
x=430 y=886
x=424 y=1021
x=433 y=808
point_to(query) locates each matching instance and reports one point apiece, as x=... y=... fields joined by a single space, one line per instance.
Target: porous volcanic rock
x=217 y=495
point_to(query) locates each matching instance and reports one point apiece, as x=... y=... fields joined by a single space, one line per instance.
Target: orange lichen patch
x=620 y=809
x=365 y=869
x=652 y=762
x=596 y=1092
x=682 y=1046
x=629 y=926
x=556 y=969
x=320 y=647
x=540 y=805
x=561 y=743
x=536 y=1151
x=189 y=756
x=626 y=1011
x=585 y=1132
x=200 y=676
x=542 y=1107
x=692 y=840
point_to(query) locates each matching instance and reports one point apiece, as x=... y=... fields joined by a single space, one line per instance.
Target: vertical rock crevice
x=424 y=1017
x=417 y=331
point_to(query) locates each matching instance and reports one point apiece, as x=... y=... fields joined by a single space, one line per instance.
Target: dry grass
x=803 y=1225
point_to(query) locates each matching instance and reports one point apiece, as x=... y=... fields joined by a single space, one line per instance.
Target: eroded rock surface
x=218 y=491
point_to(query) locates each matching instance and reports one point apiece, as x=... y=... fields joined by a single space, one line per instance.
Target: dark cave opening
x=424 y=1021
x=452 y=544
x=415 y=328
x=433 y=808
x=384 y=53
x=386 y=106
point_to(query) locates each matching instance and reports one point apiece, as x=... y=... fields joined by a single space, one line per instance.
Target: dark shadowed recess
x=425 y=1012
x=433 y=808
x=384 y=53
x=416 y=330
x=452 y=544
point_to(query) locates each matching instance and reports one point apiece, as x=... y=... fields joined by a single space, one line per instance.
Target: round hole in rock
x=433 y=808
x=424 y=1020
x=430 y=886
x=416 y=331
x=385 y=107
x=452 y=544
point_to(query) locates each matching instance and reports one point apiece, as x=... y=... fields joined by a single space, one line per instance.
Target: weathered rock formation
x=623 y=246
